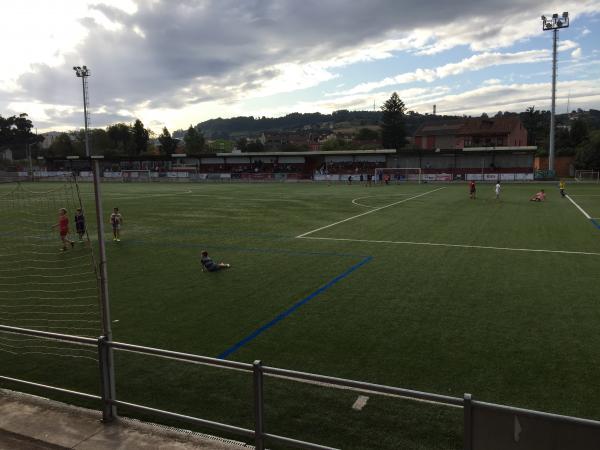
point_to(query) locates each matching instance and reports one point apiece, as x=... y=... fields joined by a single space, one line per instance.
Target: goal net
x=42 y=286
x=587 y=176
x=399 y=174
x=135 y=175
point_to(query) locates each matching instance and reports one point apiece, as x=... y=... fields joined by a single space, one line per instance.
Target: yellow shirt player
x=561 y=186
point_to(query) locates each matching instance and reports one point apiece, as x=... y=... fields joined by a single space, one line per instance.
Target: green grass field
x=434 y=292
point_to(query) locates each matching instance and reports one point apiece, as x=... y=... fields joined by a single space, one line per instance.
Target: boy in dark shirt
x=209 y=265
x=80 y=224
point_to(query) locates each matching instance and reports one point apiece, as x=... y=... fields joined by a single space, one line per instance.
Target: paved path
x=34 y=423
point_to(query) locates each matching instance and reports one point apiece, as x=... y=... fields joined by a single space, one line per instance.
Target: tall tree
x=140 y=138
x=61 y=146
x=194 y=140
x=393 y=133
x=588 y=153
x=579 y=132
x=120 y=136
x=168 y=145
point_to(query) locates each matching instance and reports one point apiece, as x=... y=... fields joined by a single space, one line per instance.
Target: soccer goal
x=135 y=175
x=587 y=176
x=399 y=174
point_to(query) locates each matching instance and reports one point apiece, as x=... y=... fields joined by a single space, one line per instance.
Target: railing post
x=109 y=411
x=259 y=443
x=468 y=422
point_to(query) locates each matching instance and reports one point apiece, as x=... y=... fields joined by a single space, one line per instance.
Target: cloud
x=576 y=54
x=475 y=62
x=153 y=58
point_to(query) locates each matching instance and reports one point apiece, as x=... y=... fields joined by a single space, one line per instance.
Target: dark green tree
x=62 y=145
x=140 y=138
x=393 y=133
x=579 y=132
x=168 y=145
x=588 y=153
x=120 y=136
x=255 y=147
x=366 y=134
x=241 y=144
x=194 y=140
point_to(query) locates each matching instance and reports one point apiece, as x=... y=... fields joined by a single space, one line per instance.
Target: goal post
x=587 y=176
x=399 y=174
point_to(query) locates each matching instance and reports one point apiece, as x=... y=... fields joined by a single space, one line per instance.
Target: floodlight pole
x=553 y=106
x=109 y=411
x=553 y=23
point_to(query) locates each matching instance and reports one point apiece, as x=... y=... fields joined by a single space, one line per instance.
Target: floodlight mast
x=554 y=23
x=106 y=358
x=83 y=72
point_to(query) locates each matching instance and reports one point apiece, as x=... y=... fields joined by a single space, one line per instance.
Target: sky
x=176 y=63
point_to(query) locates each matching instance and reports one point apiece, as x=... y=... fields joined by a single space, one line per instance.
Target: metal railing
x=258 y=371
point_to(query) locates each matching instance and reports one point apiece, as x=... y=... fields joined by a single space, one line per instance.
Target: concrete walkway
x=28 y=422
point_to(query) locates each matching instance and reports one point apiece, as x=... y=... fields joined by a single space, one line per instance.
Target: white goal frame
x=587 y=176
x=400 y=174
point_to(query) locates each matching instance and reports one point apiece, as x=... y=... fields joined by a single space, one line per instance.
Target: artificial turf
x=438 y=293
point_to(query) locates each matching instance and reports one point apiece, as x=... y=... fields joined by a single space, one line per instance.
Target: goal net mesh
x=399 y=174
x=588 y=176
x=42 y=287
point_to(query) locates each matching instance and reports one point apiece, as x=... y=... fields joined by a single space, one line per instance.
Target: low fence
x=486 y=425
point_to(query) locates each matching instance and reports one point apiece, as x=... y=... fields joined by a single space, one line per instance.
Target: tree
x=194 y=140
x=255 y=147
x=588 y=153
x=120 y=136
x=579 y=132
x=393 y=134
x=366 y=134
x=15 y=132
x=168 y=145
x=140 y=138
x=61 y=146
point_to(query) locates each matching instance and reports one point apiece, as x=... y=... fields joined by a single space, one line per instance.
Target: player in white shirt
x=498 y=190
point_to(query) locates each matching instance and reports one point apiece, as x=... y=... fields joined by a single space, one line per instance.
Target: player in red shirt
x=472 y=190
x=63 y=228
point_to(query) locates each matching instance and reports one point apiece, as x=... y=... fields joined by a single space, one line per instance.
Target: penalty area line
x=368 y=212
x=587 y=216
x=436 y=244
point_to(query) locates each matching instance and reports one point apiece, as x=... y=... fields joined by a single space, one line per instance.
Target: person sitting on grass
x=208 y=265
x=539 y=197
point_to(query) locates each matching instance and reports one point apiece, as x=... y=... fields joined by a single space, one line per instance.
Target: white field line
x=368 y=212
x=579 y=208
x=436 y=244
x=354 y=201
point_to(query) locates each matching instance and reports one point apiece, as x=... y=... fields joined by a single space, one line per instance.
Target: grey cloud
x=192 y=50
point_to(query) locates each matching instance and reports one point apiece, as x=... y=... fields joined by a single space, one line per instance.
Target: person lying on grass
x=539 y=197
x=208 y=265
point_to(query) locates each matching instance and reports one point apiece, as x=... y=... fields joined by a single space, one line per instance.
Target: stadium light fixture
x=553 y=24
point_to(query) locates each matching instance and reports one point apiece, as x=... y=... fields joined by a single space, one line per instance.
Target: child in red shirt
x=63 y=228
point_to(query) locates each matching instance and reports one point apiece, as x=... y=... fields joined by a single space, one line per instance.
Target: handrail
x=47 y=334
x=181 y=356
x=379 y=388
x=259 y=371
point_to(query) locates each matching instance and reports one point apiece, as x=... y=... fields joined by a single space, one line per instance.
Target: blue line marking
x=235 y=347
x=596 y=224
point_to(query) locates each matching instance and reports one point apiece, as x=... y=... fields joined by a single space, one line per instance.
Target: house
x=472 y=132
